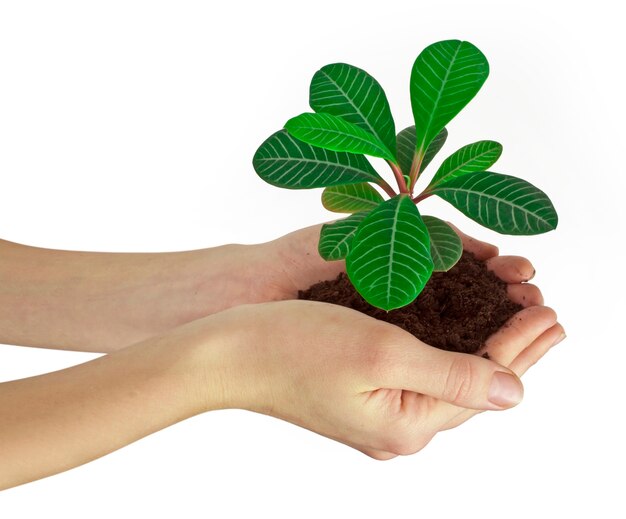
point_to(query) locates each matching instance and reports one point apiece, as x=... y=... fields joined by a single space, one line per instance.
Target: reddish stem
x=399 y=177
x=386 y=188
x=422 y=196
x=415 y=169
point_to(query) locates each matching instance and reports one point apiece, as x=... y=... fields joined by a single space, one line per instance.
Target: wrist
x=206 y=345
x=223 y=354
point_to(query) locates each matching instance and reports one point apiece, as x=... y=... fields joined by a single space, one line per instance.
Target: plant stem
x=415 y=168
x=399 y=177
x=422 y=196
x=386 y=188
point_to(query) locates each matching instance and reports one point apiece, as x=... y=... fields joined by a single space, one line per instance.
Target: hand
x=360 y=381
x=333 y=370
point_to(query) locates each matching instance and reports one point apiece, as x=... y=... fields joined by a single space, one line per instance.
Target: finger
x=525 y=294
x=463 y=380
x=512 y=269
x=482 y=250
x=531 y=355
x=518 y=333
x=520 y=365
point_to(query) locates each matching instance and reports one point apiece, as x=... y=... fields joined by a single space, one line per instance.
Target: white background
x=130 y=126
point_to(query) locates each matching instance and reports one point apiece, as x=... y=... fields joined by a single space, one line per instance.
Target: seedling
x=390 y=249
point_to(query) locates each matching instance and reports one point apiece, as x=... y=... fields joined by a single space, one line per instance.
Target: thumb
x=458 y=378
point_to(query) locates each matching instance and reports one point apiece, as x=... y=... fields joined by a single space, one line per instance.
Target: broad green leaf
x=334 y=133
x=508 y=205
x=351 y=198
x=389 y=260
x=336 y=237
x=479 y=156
x=284 y=161
x=445 y=77
x=445 y=245
x=406 y=149
x=351 y=93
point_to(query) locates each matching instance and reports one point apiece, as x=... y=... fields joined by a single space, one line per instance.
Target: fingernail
x=561 y=337
x=532 y=275
x=505 y=390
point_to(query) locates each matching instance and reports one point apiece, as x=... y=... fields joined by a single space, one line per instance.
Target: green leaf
x=445 y=245
x=284 y=161
x=336 y=237
x=478 y=156
x=334 y=133
x=389 y=260
x=351 y=93
x=506 y=204
x=351 y=198
x=445 y=77
x=406 y=149
x=433 y=148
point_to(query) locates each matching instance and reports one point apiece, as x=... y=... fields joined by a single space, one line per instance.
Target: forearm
x=103 y=301
x=60 y=420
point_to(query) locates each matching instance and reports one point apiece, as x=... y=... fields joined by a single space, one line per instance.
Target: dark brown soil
x=457 y=310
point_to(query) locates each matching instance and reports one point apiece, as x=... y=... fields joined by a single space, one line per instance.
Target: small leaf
x=479 y=156
x=445 y=77
x=334 y=133
x=406 y=149
x=445 y=245
x=336 y=237
x=506 y=204
x=284 y=161
x=352 y=94
x=351 y=198
x=389 y=260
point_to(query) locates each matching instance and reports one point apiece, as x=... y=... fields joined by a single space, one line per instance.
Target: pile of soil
x=457 y=310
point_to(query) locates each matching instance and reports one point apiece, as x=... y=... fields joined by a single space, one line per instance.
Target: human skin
x=100 y=302
x=340 y=373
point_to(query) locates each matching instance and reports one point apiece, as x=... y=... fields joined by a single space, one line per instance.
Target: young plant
x=390 y=249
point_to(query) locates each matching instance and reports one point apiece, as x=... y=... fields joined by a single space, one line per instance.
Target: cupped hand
x=360 y=381
x=396 y=415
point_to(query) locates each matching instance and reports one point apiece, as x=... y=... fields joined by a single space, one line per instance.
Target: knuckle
x=380 y=358
x=459 y=380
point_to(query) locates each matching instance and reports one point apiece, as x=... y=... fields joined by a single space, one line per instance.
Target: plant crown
x=391 y=249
